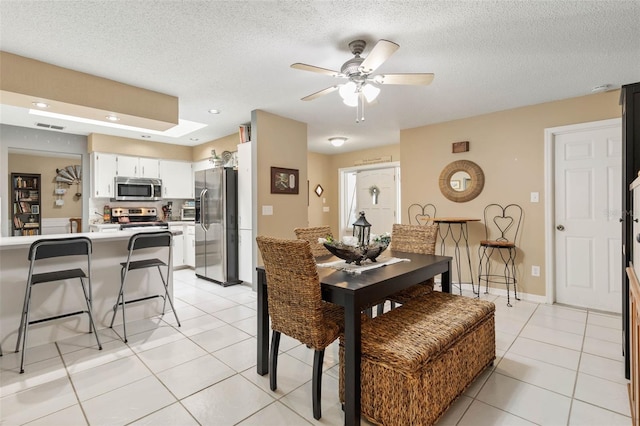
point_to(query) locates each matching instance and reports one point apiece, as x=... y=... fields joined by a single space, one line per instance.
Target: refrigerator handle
x=203 y=213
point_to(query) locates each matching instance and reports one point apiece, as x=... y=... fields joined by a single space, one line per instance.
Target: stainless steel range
x=137 y=218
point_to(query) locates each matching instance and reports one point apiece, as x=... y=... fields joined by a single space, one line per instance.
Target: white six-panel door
x=588 y=181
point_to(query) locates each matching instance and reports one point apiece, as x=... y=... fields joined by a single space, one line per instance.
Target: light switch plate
x=535 y=271
x=325 y=209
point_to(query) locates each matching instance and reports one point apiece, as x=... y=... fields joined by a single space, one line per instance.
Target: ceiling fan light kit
x=360 y=88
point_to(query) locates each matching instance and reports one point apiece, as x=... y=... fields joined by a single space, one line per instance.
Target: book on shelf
x=31 y=225
x=244 y=132
x=25 y=207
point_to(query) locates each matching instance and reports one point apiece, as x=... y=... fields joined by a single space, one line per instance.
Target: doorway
x=374 y=189
x=583 y=177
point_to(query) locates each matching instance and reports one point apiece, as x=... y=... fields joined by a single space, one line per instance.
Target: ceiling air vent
x=49 y=126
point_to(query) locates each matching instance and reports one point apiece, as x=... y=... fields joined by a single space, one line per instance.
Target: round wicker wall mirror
x=461 y=181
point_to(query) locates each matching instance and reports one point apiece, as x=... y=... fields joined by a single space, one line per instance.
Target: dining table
x=356 y=292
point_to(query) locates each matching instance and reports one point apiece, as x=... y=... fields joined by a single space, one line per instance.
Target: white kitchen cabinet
x=190 y=246
x=177 y=179
x=104 y=169
x=138 y=167
x=178 y=246
x=245 y=174
x=245 y=248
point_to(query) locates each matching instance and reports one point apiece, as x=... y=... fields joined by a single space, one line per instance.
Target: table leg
x=263 y=324
x=352 y=353
x=446 y=279
x=465 y=235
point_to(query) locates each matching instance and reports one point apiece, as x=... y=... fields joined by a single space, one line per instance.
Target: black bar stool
x=53 y=248
x=145 y=240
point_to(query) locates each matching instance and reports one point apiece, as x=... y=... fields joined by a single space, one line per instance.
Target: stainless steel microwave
x=137 y=189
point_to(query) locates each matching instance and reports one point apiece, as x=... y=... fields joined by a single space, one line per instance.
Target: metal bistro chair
x=296 y=307
x=312 y=235
x=502 y=225
x=48 y=249
x=421 y=214
x=145 y=240
x=412 y=239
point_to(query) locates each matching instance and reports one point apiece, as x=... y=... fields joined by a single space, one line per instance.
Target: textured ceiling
x=235 y=56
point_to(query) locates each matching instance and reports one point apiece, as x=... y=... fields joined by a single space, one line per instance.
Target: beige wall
x=320 y=173
x=509 y=147
x=137 y=148
x=279 y=142
x=46 y=167
x=227 y=143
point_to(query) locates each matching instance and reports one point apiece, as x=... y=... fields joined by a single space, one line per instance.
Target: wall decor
x=460 y=147
x=284 y=181
x=467 y=183
x=319 y=190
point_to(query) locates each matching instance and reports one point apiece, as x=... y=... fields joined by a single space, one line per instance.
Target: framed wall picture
x=35 y=209
x=284 y=181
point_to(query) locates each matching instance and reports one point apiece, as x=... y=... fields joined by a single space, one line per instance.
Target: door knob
x=560 y=228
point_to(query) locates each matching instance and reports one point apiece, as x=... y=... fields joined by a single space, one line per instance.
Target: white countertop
x=19 y=242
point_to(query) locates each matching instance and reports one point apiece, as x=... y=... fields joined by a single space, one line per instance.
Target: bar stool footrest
x=57 y=317
x=140 y=299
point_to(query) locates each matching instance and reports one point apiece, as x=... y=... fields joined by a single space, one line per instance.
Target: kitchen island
x=109 y=249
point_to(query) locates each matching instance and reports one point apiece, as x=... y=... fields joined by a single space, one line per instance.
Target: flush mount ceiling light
x=601 y=88
x=337 y=141
x=112 y=118
x=145 y=136
x=40 y=104
x=214 y=111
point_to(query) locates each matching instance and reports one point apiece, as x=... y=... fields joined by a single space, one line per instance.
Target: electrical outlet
x=535 y=197
x=535 y=271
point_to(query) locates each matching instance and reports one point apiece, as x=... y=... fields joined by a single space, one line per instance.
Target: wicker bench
x=417 y=359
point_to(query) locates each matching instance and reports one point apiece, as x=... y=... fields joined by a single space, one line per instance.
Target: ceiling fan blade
x=421 y=79
x=380 y=53
x=320 y=93
x=312 y=68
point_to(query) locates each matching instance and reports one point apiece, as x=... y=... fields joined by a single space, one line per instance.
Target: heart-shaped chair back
x=421 y=214
x=502 y=223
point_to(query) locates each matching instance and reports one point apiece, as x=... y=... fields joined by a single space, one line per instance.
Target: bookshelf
x=25 y=200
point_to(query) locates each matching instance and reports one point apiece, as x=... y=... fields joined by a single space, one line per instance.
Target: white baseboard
x=502 y=292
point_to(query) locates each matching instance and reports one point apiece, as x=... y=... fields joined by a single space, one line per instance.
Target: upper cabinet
x=177 y=176
x=177 y=179
x=104 y=168
x=138 y=167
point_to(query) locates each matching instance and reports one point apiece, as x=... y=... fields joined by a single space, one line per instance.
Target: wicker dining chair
x=412 y=239
x=296 y=307
x=312 y=235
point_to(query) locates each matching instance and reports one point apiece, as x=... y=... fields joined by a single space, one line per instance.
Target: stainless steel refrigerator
x=216 y=223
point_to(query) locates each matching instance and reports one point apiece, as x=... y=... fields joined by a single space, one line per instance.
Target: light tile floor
x=555 y=366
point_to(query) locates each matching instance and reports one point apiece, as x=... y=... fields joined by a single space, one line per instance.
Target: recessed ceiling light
x=112 y=118
x=194 y=139
x=145 y=136
x=183 y=128
x=214 y=111
x=40 y=104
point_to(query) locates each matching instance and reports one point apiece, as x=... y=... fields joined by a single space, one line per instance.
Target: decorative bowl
x=356 y=254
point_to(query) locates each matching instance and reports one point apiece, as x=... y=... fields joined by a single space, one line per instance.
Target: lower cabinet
x=190 y=246
x=178 y=246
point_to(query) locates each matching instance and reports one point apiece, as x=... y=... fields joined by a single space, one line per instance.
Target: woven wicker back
x=293 y=289
x=414 y=238
x=312 y=235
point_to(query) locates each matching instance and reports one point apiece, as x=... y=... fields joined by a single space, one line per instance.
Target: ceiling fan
x=362 y=84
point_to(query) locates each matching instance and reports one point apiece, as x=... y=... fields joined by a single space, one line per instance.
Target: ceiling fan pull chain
x=363 y=102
